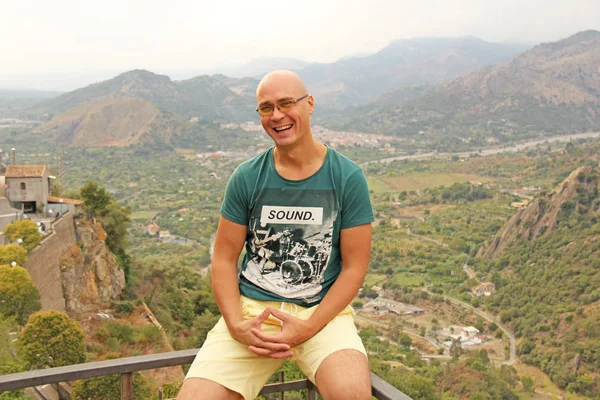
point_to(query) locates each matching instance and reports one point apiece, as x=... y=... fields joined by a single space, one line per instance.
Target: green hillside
x=545 y=263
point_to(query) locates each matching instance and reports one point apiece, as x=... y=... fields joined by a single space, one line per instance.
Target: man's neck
x=301 y=161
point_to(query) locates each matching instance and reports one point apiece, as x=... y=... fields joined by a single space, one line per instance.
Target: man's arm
x=355 y=247
x=228 y=244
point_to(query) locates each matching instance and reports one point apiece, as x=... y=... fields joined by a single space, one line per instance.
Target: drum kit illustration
x=298 y=261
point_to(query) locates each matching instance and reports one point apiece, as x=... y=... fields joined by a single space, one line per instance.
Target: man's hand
x=294 y=331
x=244 y=332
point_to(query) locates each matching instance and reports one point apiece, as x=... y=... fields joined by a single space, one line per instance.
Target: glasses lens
x=285 y=105
x=265 y=110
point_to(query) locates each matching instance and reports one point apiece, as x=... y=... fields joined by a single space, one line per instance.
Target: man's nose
x=277 y=115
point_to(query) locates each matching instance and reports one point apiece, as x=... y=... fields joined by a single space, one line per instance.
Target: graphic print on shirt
x=291 y=234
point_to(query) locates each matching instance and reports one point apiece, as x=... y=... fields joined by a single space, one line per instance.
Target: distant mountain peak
x=585 y=35
x=141 y=74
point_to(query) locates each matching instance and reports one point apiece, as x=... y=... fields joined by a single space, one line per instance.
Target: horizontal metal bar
x=285 y=387
x=98 y=368
x=381 y=389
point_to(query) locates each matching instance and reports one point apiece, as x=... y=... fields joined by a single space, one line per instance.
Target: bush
x=113 y=344
x=149 y=334
x=123 y=332
x=18 y=296
x=51 y=339
x=13 y=252
x=109 y=388
x=124 y=307
x=25 y=230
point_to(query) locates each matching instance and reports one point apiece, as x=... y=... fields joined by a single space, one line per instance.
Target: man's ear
x=311 y=103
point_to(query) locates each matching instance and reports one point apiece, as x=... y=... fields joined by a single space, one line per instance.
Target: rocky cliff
x=543 y=215
x=90 y=275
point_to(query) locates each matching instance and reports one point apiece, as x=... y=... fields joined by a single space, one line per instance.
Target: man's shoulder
x=342 y=162
x=255 y=163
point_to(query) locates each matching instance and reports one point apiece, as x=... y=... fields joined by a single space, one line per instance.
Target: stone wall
x=43 y=263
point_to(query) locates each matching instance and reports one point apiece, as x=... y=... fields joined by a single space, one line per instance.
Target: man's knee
x=199 y=388
x=344 y=375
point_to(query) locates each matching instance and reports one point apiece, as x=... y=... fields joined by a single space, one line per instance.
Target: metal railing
x=127 y=366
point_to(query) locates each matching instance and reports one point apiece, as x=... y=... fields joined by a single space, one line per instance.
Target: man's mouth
x=282 y=128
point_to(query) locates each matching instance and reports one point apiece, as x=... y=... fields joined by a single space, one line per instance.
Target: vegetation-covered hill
x=203 y=97
x=553 y=88
x=546 y=265
x=141 y=107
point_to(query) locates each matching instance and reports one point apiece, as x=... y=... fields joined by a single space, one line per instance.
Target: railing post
x=281 y=380
x=311 y=391
x=126 y=386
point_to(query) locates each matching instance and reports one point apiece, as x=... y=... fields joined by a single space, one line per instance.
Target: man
x=303 y=213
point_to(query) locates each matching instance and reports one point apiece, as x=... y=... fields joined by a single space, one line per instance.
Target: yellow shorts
x=224 y=360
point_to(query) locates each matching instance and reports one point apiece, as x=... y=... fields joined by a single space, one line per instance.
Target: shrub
x=149 y=334
x=51 y=339
x=124 y=333
x=124 y=307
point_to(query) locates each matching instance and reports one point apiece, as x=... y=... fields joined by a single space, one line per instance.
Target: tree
x=51 y=339
x=25 y=230
x=114 y=217
x=95 y=198
x=18 y=296
x=115 y=220
x=9 y=361
x=456 y=349
x=527 y=384
x=13 y=252
x=108 y=387
x=405 y=341
x=203 y=324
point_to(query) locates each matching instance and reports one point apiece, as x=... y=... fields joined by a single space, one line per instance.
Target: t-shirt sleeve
x=356 y=204
x=235 y=204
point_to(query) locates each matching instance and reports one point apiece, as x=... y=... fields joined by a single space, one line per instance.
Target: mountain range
x=552 y=87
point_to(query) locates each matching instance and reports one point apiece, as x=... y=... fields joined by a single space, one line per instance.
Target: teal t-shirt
x=293 y=241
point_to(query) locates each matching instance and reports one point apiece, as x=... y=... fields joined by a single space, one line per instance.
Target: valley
x=484 y=277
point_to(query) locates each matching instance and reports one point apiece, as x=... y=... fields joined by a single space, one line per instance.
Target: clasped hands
x=294 y=331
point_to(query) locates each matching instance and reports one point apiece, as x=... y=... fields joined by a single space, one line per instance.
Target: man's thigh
x=200 y=388
x=340 y=334
x=344 y=375
x=224 y=361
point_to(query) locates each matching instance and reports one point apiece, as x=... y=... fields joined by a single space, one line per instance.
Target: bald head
x=281 y=80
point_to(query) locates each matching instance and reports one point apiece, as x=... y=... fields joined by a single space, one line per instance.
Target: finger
x=270 y=354
x=262 y=317
x=282 y=315
x=270 y=345
x=267 y=338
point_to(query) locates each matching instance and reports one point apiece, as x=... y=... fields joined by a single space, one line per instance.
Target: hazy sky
x=62 y=37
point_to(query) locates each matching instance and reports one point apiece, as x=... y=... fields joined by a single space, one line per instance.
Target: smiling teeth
x=282 y=128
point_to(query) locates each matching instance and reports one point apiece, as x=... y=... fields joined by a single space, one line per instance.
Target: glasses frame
x=295 y=101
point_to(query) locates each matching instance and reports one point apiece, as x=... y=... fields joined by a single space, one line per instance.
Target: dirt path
x=489 y=318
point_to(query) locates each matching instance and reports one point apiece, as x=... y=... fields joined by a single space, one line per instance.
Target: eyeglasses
x=266 y=110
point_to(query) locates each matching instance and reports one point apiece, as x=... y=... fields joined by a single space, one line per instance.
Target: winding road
x=489 y=318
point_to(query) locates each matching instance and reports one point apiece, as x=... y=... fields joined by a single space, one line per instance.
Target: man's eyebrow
x=278 y=101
